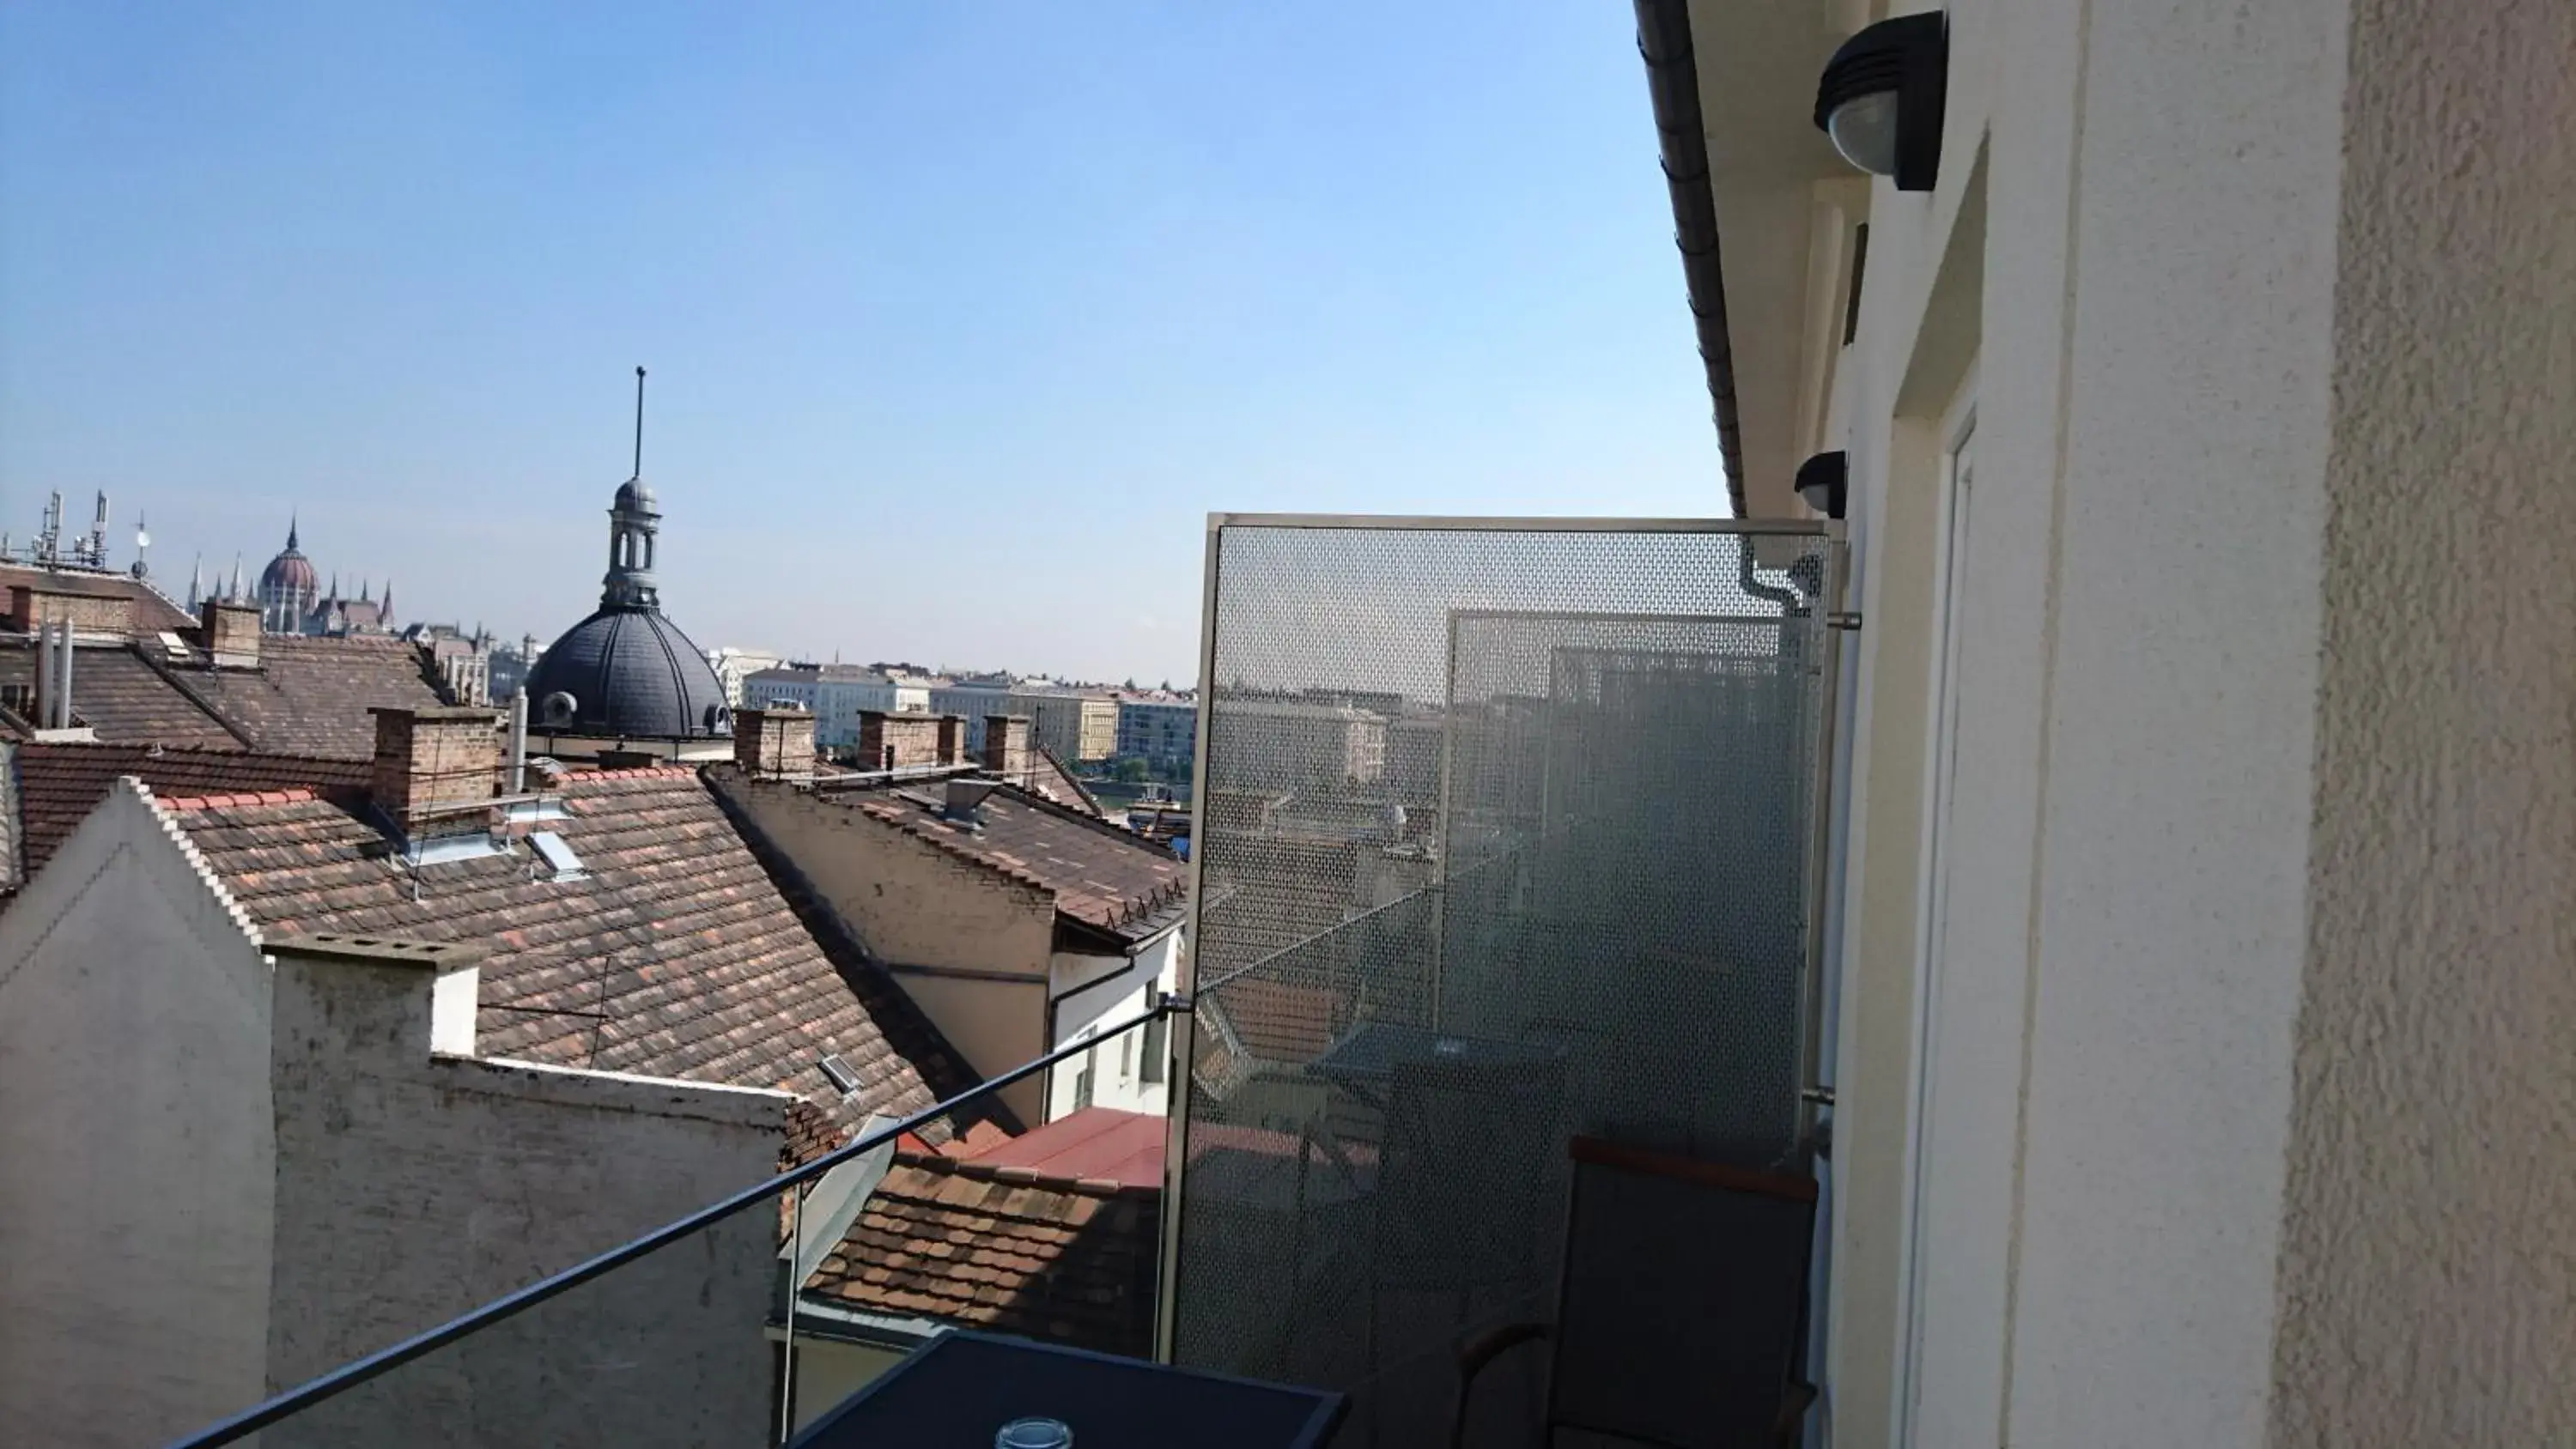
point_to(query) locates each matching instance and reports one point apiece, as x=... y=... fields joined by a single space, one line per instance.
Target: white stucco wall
x=2427 y=1284
x=136 y=1149
x=2262 y=896
x=412 y=1188
x=1094 y=994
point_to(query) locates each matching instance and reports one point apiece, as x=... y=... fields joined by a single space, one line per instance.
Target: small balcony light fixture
x=1882 y=95
x=1823 y=481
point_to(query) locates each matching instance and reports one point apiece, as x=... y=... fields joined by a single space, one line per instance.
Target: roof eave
x=1731 y=83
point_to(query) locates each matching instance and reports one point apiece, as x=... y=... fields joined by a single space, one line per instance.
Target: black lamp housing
x=1824 y=481
x=1889 y=85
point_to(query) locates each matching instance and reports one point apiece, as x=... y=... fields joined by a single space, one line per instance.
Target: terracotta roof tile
x=311 y=696
x=1044 y=1257
x=1103 y=876
x=59 y=784
x=673 y=954
x=125 y=700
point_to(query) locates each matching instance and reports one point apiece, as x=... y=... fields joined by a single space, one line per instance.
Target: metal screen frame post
x=1811 y=996
x=1183 y=1036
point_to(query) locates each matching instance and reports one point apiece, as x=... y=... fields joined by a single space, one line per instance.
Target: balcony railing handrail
x=1335 y=929
x=358 y=1371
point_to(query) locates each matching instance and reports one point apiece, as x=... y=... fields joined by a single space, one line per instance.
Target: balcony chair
x=1681 y=1307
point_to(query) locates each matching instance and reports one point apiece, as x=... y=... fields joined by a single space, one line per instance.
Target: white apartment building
x=2206 y=957
x=836 y=695
x=733 y=666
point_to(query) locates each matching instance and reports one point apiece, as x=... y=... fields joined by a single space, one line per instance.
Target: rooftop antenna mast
x=639 y=422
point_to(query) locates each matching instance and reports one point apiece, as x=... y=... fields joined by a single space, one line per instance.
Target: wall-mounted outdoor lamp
x=1822 y=481
x=1882 y=95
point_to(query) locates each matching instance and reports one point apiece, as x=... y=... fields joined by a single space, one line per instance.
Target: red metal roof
x=1101 y=1143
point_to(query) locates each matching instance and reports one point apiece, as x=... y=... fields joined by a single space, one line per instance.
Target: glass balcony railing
x=745 y=1321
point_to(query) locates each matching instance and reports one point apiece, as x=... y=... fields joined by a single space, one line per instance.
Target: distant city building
x=836 y=695
x=1079 y=725
x=292 y=599
x=978 y=697
x=511 y=665
x=1162 y=730
x=1291 y=744
x=462 y=661
x=733 y=666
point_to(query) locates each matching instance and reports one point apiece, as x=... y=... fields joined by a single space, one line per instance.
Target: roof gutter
x=1672 y=80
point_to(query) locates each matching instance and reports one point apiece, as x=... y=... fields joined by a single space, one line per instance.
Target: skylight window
x=844 y=1080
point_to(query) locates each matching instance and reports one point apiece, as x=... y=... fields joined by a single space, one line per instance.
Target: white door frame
x=1958 y=431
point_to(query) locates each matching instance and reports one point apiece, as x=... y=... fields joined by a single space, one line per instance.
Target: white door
x=1967 y=1068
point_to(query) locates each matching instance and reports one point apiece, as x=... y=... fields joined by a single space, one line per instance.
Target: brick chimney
x=774 y=741
x=897 y=741
x=435 y=764
x=88 y=611
x=1007 y=752
x=952 y=739
x=231 y=633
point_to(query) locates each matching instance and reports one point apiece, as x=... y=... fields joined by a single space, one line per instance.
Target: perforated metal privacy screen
x=1505 y=838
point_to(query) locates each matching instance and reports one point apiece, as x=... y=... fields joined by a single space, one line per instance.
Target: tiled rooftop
x=1105 y=877
x=672 y=954
x=311 y=696
x=1002 y=1248
x=58 y=785
x=307 y=697
x=125 y=700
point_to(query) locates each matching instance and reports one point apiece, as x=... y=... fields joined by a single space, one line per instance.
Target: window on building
x=1158 y=1033
x=1082 y=1080
x=1126 y=1056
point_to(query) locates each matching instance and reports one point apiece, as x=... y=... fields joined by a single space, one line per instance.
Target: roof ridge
x=1017 y=1176
x=635 y=772
x=188 y=692
x=238 y=799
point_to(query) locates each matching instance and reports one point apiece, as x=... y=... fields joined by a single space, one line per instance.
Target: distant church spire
x=197 y=583
x=634 y=528
x=291 y=522
x=235 y=593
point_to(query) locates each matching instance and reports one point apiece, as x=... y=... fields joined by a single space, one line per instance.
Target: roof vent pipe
x=63 y=686
x=964 y=803
x=519 y=741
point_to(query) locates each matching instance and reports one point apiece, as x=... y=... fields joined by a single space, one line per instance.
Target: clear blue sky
x=960 y=317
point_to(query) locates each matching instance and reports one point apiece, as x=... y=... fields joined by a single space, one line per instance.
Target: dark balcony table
x=958 y=1390
x=1364 y=1061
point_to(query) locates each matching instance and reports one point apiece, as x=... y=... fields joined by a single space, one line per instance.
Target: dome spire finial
x=634 y=522
x=291 y=522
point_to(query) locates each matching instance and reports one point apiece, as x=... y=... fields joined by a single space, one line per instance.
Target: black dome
x=627 y=673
